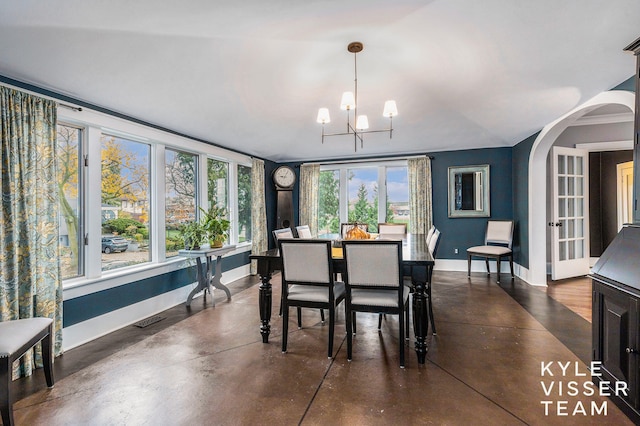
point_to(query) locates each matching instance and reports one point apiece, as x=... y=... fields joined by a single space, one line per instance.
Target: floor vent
x=148 y=321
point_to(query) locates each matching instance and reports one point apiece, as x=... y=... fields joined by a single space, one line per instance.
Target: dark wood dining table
x=416 y=260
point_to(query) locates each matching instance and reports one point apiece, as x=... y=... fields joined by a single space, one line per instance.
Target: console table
x=205 y=275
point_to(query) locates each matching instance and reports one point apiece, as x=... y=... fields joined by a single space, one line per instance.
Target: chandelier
x=360 y=124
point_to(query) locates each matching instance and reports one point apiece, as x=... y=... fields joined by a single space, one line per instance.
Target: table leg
x=420 y=320
x=215 y=279
x=265 y=297
x=202 y=281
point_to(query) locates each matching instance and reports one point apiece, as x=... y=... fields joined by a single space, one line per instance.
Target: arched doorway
x=537 y=273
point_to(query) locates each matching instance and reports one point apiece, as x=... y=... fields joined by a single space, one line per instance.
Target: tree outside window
x=180 y=198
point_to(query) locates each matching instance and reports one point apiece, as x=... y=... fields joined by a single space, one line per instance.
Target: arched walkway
x=538 y=178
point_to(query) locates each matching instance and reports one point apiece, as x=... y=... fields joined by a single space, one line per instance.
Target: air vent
x=148 y=321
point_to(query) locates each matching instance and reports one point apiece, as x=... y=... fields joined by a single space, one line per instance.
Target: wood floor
x=208 y=365
x=574 y=293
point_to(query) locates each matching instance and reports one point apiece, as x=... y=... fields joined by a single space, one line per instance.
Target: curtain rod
x=75 y=108
x=369 y=160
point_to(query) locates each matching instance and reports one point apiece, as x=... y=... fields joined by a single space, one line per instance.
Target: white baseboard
x=93 y=328
x=460 y=265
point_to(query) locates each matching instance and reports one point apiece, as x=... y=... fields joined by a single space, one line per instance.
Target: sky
x=397 y=183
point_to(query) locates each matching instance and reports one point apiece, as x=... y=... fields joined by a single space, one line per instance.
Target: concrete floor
x=209 y=366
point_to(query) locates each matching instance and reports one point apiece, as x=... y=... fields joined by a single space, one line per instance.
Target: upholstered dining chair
x=346 y=227
x=430 y=233
x=433 y=245
x=308 y=282
x=282 y=233
x=304 y=231
x=374 y=283
x=392 y=228
x=497 y=245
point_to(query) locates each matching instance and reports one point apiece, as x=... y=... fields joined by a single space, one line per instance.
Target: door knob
x=631 y=351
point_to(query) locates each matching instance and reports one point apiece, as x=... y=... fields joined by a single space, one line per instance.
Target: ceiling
x=251 y=75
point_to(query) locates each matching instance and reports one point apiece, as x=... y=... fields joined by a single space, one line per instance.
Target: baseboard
x=99 y=326
x=460 y=265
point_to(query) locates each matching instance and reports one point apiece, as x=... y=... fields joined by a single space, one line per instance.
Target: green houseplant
x=193 y=234
x=216 y=225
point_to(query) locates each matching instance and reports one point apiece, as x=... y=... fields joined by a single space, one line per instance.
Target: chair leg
x=401 y=336
x=332 y=323
x=498 y=267
x=469 y=266
x=486 y=261
x=353 y=314
x=406 y=321
x=322 y=315
x=379 y=322
x=433 y=323
x=6 y=395
x=285 y=327
x=349 y=316
x=299 y=317
x=511 y=266
x=47 y=357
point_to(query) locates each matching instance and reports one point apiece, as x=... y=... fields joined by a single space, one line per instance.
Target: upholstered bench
x=16 y=338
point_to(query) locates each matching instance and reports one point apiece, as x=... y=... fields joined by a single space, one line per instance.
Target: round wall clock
x=284 y=177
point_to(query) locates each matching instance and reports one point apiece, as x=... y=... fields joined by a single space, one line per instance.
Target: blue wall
x=462 y=233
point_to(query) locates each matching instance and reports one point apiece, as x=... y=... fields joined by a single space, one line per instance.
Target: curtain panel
x=420 y=198
x=30 y=277
x=309 y=189
x=259 y=240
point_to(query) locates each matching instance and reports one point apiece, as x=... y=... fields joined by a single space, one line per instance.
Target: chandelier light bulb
x=362 y=123
x=323 y=116
x=348 y=101
x=390 y=109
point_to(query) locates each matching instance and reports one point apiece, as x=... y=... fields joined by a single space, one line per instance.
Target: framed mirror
x=469 y=191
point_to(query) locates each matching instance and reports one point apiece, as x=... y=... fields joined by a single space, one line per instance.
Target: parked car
x=112 y=244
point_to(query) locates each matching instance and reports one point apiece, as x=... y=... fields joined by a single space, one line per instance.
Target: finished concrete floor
x=209 y=366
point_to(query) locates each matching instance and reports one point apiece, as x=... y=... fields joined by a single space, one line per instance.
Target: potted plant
x=216 y=225
x=193 y=234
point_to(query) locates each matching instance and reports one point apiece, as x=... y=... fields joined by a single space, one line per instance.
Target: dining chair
x=346 y=227
x=497 y=245
x=308 y=282
x=304 y=231
x=374 y=283
x=433 y=245
x=430 y=233
x=392 y=228
x=279 y=234
x=282 y=233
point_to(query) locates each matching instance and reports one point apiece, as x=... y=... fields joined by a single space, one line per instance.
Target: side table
x=205 y=275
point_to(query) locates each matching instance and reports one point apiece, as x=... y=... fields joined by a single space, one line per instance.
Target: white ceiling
x=251 y=75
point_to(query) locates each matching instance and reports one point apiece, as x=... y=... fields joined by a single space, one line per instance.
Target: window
x=397 y=195
x=363 y=196
x=244 y=203
x=218 y=183
x=181 y=196
x=364 y=192
x=70 y=184
x=329 y=202
x=125 y=202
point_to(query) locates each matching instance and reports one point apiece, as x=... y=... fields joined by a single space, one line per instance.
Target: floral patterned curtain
x=309 y=189
x=420 y=204
x=259 y=240
x=30 y=278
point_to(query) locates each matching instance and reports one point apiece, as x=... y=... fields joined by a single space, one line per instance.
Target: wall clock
x=284 y=178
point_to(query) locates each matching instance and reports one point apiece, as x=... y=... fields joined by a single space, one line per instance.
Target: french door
x=569 y=221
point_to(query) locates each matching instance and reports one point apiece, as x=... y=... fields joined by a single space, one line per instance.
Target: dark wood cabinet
x=635 y=49
x=615 y=337
x=616 y=317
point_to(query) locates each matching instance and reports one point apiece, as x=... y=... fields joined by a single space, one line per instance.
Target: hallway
x=209 y=366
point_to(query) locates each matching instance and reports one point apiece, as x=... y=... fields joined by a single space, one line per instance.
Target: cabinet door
x=616 y=330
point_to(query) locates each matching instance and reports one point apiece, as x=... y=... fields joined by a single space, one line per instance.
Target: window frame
x=92 y=125
x=344 y=168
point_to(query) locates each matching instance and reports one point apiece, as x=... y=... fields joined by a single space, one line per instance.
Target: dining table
x=417 y=262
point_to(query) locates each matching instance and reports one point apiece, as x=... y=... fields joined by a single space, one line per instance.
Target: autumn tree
x=67 y=156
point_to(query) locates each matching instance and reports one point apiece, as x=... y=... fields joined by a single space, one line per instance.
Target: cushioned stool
x=16 y=338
